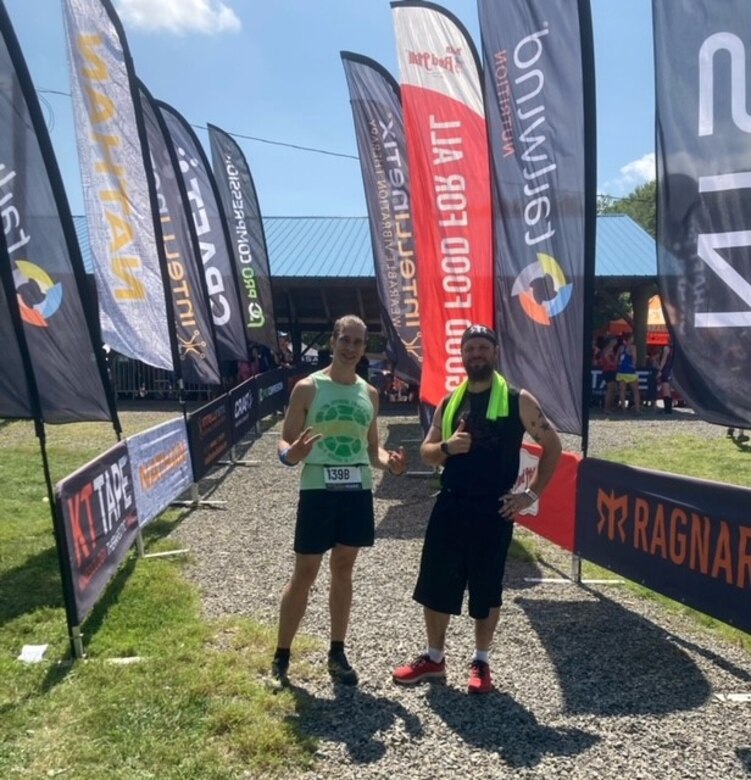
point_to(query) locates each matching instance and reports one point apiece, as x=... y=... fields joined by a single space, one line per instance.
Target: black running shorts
x=466 y=545
x=326 y=518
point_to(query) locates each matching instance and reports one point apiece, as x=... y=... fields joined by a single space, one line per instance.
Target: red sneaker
x=422 y=668
x=480 y=680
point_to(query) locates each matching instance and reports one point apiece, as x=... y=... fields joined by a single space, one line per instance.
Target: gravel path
x=592 y=682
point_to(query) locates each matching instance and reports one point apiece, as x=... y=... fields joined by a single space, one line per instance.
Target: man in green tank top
x=476 y=436
x=330 y=426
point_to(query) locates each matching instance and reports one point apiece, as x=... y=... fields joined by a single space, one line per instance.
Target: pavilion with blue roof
x=322 y=267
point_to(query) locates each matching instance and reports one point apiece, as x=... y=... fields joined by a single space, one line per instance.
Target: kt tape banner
x=688 y=539
x=98 y=508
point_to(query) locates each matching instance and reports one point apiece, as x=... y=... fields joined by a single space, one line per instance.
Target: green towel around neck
x=497 y=405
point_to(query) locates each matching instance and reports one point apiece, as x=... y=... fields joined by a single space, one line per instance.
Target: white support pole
x=76 y=639
x=196 y=501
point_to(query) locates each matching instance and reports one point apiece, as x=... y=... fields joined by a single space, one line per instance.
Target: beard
x=479 y=372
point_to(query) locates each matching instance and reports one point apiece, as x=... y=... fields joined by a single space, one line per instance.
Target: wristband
x=445 y=449
x=530 y=494
x=284 y=457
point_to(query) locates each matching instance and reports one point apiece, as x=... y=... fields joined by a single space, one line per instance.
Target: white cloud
x=179 y=16
x=632 y=175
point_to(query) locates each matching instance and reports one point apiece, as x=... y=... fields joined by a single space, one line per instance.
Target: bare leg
x=485 y=629
x=340 y=593
x=295 y=597
x=635 y=391
x=436 y=624
x=622 y=386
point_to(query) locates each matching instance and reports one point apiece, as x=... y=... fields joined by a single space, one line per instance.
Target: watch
x=530 y=494
x=445 y=448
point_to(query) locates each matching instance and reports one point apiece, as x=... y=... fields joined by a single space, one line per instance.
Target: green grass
x=716 y=459
x=193 y=705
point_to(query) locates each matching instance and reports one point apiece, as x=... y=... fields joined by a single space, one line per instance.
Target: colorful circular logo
x=542 y=313
x=52 y=293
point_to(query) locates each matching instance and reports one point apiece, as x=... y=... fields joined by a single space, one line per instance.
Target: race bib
x=342 y=477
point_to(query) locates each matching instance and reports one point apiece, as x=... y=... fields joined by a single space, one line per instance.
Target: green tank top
x=343 y=414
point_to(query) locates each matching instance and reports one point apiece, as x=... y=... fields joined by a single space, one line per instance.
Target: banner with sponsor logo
x=244 y=406
x=703 y=68
x=99 y=514
x=210 y=435
x=382 y=145
x=213 y=238
x=40 y=251
x=539 y=88
x=193 y=326
x=272 y=392
x=554 y=516
x=248 y=239
x=444 y=119
x=160 y=462
x=114 y=159
x=688 y=539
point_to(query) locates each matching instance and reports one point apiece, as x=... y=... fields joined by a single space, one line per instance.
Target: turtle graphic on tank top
x=342 y=446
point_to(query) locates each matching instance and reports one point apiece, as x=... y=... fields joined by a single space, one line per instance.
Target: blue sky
x=272 y=70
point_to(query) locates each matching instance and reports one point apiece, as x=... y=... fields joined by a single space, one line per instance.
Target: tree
x=640 y=205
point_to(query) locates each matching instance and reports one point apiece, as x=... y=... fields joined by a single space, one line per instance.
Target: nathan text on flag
x=381 y=143
x=194 y=330
x=119 y=211
x=444 y=119
x=43 y=257
x=537 y=96
x=248 y=240
x=703 y=69
x=213 y=238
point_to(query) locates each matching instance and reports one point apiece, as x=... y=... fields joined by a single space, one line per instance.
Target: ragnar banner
x=114 y=163
x=444 y=117
x=382 y=145
x=243 y=212
x=41 y=254
x=686 y=538
x=539 y=88
x=213 y=238
x=703 y=71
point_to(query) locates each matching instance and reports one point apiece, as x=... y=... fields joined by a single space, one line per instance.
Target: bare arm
x=539 y=428
x=297 y=441
x=393 y=460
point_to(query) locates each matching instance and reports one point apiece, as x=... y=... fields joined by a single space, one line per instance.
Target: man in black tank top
x=476 y=436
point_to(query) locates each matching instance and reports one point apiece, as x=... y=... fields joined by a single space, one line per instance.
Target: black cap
x=479 y=332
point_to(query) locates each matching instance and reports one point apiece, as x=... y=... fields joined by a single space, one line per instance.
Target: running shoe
x=340 y=669
x=279 y=669
x=480 y=680
x=422 y=668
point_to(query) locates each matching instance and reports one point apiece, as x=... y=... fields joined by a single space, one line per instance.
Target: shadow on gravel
x=744 y=755
x=353 y=718
x=614 y=662
x=495 y=722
